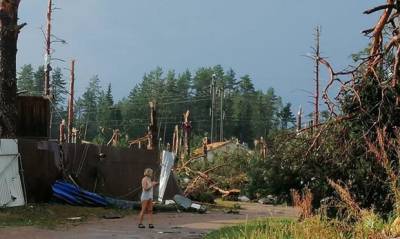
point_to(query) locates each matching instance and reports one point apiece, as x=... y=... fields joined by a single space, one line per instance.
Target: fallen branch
x=209 y=181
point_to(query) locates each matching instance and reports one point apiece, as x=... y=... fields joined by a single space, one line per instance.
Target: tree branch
x=378 y=8
x=20 y=26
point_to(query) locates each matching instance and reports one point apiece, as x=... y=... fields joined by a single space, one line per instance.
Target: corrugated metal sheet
x=11 y=193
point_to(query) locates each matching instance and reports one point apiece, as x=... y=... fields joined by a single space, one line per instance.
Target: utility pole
x=317 y=58
x=71 y=102
x=222 y=116
x=212 y=106
x=47 y=67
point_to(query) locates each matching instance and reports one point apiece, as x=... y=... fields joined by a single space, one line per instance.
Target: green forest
x=246 y=113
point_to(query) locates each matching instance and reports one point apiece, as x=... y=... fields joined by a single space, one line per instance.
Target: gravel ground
x=167 y=225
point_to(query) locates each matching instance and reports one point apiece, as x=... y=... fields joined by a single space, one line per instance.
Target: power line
x=138 y=104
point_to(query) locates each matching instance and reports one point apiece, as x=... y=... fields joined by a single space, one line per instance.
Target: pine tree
x=38 y=81
x=109 y=96
x=87 y=109
x=58 y=88
x=107 y=113
x=243 y=108
x=202 y=98
x=25 y=80
x=183 y=84
x=286 y=116
x=58 y=106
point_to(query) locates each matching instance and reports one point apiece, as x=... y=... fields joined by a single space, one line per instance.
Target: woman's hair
x=148 y=172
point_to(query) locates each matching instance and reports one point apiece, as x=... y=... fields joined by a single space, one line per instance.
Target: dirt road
x=168 y=225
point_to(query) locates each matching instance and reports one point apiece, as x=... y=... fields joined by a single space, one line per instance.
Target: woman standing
x=147 y=197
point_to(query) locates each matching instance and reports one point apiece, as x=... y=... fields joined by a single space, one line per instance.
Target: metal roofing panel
x=11 y=193
x=5 y=193
x=8 y=147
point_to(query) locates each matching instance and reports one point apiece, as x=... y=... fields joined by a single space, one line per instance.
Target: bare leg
x=150 y=211
x=142 y=212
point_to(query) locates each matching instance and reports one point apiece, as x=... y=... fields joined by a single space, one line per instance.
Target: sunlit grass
x=311 y=228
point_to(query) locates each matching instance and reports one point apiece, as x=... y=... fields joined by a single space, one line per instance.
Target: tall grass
x=303 y=202
x=311 y=228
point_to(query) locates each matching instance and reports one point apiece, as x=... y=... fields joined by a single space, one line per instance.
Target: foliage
x=31 y=83
x=313 y=228
x=59 y=93
x=38 y=81
x=286 y=116
x=246 y=113
x=87 y=108
x=293 y=164
x=25 y=78
x=317 y=227
x=227 y=170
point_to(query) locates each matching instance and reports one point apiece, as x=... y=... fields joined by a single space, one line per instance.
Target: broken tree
x=151 y=135
x=8 y=52
x=187 y=127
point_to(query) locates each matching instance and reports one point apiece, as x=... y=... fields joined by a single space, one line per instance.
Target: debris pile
x=218 y=171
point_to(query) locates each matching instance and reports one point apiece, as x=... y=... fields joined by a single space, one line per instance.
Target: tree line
x=246 y=113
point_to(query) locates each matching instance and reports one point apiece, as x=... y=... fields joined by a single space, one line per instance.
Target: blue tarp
x=74 y=195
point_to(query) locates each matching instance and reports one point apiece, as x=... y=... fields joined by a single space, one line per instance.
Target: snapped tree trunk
x=9 y=30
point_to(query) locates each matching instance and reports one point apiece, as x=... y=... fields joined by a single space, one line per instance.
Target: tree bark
x=9 y=30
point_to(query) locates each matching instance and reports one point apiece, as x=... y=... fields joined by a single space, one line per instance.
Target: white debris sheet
x=167 y=163
x=11 y=191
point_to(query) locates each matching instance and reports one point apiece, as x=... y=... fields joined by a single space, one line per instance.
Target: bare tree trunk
x=187 y=127
x=71 y=102
x=152 y=128
x=9 y=30
x=317 y=62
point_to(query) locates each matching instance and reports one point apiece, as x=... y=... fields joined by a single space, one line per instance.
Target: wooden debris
x=151 y=136
x=62 y=132
x=209 y=181
x=138 y=141
x=115 y=138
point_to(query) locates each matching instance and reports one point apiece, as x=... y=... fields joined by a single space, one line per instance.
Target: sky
x=122 y=40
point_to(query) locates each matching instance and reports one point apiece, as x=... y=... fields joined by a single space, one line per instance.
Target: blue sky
x=121 y=40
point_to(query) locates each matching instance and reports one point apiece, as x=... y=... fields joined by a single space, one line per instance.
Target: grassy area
x=312 y=228
x=271 y=228
x=52 y=216
x=223 y=204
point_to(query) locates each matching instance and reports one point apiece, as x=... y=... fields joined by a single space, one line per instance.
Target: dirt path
x=168 y=225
